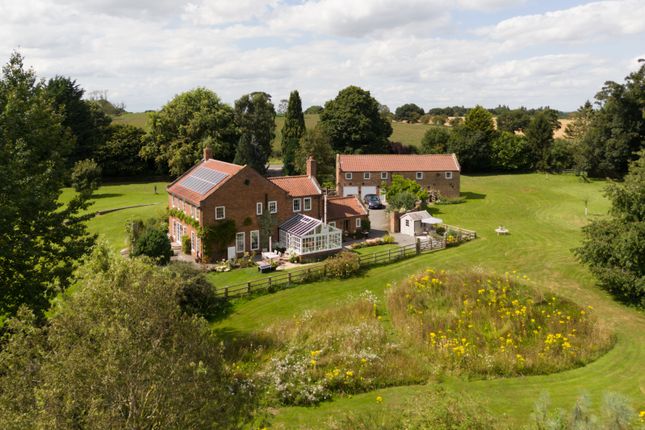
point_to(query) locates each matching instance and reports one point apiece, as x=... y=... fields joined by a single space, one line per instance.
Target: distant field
x=138 y=119
x=408 y=134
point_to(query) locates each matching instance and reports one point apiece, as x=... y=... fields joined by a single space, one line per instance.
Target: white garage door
x=349 y=191
x=368 y=190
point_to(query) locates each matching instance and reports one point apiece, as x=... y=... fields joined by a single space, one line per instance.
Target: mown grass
x=111 y=226
x=544 y=214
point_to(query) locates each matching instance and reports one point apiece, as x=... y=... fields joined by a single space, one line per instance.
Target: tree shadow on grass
x=106 y=195
x=472 y=196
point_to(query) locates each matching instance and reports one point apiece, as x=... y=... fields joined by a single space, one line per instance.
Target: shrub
x=493 y=325
x=185 y=244
x=196 y=295
x=153 y=243
x=388 y=239
x=440 y=230
x=86 y=176
x=343 y=265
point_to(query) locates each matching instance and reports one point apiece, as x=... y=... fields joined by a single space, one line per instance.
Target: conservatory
x=302 y=235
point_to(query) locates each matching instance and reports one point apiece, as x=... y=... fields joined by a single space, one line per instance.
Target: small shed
x=304 y=235
x=414 y=223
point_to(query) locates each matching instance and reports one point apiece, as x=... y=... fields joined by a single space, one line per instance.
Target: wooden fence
x=314 y=272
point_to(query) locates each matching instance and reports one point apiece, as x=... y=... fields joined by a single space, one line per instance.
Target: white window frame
x=299 y=205
x=193 y=241
x=358 y=223
x=242 y=235
x=448 y=175
x=223 y=212
x=407 y=223
x=258 y=208
x=306 y=204
x=274 y=209
x=383 y=175
x=419 y=176
x=332 y=223
x=367 y=175
x=195 y=212
x=174 y=201
x=257 y=245
x=348 y=176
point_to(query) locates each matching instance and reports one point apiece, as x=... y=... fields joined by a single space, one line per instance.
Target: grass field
x=111 y=226
x=138 y=119
x=544 y=215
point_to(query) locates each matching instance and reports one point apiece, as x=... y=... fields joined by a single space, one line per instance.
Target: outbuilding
x=415 y=223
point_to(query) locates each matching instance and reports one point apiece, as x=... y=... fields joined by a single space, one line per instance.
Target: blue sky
x=429 y=52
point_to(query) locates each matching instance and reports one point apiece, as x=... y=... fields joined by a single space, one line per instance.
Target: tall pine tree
x=294 y=128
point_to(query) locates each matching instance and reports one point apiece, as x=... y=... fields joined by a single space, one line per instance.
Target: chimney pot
x=208 y=153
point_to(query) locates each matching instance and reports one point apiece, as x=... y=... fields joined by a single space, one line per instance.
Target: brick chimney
x=312 y=167
x=208 y=153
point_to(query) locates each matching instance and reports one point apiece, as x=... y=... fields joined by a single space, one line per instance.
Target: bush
x=86 y=176
x=343 y=265
x=196 y=295
x=387 y=239
x=440 y=230
x=153 y=243
x=185 y=244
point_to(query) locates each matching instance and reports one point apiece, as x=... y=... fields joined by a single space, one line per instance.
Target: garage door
x=349 y=191
x=368 y=190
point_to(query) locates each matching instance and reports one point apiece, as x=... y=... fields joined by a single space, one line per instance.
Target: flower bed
x=493 y=325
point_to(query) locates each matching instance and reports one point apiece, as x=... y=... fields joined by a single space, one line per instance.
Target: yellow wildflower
x=379 y=399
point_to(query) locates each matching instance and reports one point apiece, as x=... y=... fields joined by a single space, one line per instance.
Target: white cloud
x=145 y=52
x=584 y=23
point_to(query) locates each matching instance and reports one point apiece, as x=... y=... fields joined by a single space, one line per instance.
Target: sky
x=429 y=52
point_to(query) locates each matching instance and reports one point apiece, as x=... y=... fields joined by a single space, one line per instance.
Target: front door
x=231 y=252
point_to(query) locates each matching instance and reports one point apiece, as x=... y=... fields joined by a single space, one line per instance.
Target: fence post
x=289 y=278
x=418 y=246
x=226 y=292
x=389 y=255
x=324 y=270
x=248 y=288
x=374 y=258
x=269 y=286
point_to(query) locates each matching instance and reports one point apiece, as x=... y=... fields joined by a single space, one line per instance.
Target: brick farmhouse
x=363 y=174
x=215 y=192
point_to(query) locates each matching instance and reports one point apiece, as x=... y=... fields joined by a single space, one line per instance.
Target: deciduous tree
x=435 y=141
x=185 y=125
x=353 y=122
x=614 y=248
x=539 y=137
x=408 y=112
x=316 y=143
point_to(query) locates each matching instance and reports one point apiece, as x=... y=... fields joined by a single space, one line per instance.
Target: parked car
x=373 y=201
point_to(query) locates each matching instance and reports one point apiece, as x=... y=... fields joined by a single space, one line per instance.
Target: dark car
x=373 y=201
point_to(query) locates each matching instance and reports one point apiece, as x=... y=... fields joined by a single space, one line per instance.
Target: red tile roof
x=398 y=163
x=344 y=207
x=297 y=186
x=178 y=189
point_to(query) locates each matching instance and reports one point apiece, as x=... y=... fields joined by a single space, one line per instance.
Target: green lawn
x=544 y=214
x=376 y=248
x=111 y=226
